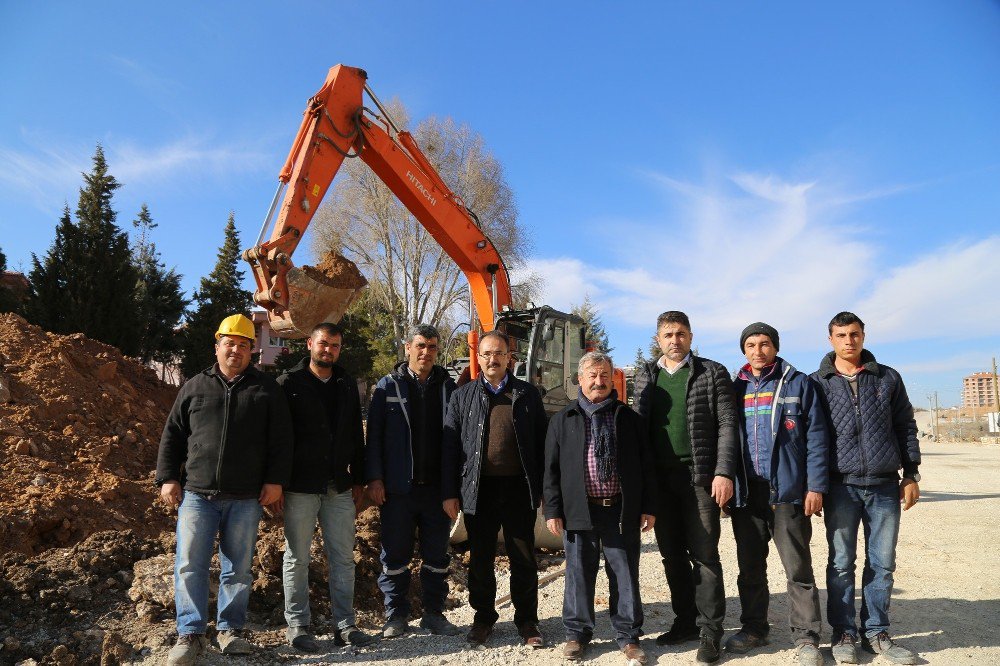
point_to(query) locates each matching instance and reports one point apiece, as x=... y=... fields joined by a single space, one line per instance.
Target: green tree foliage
x=221 y=294
x=86 y=281
x=159 y=297
x=595 y=326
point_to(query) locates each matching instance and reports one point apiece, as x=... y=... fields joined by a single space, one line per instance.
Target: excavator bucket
x=317 y=294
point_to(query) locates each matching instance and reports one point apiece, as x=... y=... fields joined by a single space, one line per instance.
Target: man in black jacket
x=494 y=449
x=226 y=452
x=599 y=488
x=327 y=484
x=688 y=404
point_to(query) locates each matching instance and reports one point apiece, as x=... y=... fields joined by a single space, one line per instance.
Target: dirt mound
x=78 y=439
x=336 y=271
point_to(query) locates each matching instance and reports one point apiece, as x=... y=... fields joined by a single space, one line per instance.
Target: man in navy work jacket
x=327 y=485
x=785 y=473
x=403 y=471
x=494 y=449
x=599 y=493
x=874 y=437
x=225 y=453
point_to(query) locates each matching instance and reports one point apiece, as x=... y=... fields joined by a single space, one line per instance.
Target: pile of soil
x=336 y=270
x=78 y=439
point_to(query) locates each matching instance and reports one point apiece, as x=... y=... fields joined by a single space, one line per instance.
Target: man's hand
x=722 y=490
x=555 y=526
x=270 y=495
x=646 y=522
x=450 y=507
x=358 y=495
x=376 y=492
x=813 y=503
x=171 y=493
x=909 y=493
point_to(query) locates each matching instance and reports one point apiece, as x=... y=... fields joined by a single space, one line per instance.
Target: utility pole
x=937 y=426
x=996 y=398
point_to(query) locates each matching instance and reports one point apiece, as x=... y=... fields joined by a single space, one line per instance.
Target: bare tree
x=409 y=274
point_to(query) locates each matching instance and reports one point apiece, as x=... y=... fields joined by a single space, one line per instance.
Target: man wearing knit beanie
x=781 y=484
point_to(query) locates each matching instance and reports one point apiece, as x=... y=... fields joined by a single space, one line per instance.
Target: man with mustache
x=874 y=437
x=326 y=485
x=225 y=453
x=599 y=493
x=688 y=404
x=494 y=448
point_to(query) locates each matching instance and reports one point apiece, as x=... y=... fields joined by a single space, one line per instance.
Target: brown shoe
x=573 y=651
x=532 y=637
x=634 y=654
x=479 y=634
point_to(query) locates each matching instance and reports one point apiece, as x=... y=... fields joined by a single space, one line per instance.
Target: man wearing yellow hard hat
x=225 y=454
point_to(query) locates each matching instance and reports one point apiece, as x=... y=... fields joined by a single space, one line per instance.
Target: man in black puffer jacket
x=874 y=437
x=688 y=404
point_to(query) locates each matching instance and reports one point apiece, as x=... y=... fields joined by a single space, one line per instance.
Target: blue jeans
x=199 y=520
x=877 y=508
x=336 y=513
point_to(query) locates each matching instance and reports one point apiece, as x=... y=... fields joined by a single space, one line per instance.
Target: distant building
x=978 y=390
x=268 y=344
x=16 y=283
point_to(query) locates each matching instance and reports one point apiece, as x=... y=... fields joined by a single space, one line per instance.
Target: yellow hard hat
x=236 y=324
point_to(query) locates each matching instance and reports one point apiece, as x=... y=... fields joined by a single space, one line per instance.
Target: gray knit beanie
x=759 y=328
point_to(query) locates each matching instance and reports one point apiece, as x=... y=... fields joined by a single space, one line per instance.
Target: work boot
x=186 y=649
x=808 y=654
x=438 y=624
x=232 y=642
x=395 y=627
x=300 y=639
x=573 y=650
x=844 y=648
x=531 y=636
x=634 y=654
x=708 y=650
x=479 y=633
x=352 y=636
x=882 y=644
x=743 y=641
x=680 y=632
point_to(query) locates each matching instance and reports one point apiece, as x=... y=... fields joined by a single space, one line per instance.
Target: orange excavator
x=336 y=125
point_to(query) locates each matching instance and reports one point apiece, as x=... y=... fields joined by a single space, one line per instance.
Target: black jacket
x=465 y=438
x=228 y=438
x=566 y=464
x=317 y=451
x=711 y=417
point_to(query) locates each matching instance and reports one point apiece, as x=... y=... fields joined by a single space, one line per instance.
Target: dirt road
x=946 y=604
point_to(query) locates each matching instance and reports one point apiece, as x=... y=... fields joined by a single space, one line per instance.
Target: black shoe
x=708 y=650
x=679 y=633
x=352 y=636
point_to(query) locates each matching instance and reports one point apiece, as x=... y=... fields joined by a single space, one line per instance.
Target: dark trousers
x=621 y=563
x=503 y=501
x=404 y=517
x=687 y=534
x=754 y=525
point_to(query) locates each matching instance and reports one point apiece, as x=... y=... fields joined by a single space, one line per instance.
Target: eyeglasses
x=492 y=354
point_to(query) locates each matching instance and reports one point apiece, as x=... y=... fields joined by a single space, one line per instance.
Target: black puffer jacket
x=875 y=435
x=465 y=440
x=317 y=451
x=711 y=417
x=229 y=438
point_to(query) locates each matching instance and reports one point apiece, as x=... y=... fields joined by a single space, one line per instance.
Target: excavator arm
x=337 y=126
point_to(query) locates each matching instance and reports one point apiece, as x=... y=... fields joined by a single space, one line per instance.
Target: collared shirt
x=592 y=482
x=499 y=389
x=684 y=361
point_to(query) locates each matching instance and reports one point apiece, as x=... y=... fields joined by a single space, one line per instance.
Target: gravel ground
x=946 y=604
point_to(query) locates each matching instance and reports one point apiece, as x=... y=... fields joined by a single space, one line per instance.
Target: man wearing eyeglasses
x=494 y=449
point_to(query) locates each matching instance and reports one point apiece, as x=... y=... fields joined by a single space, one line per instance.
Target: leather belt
x=605 y=501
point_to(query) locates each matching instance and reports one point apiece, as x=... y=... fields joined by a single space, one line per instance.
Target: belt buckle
x=606 y=501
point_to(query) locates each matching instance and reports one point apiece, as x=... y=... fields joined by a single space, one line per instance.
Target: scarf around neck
x=603 y=433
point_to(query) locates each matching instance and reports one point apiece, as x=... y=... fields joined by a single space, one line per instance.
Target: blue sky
x=775 y=161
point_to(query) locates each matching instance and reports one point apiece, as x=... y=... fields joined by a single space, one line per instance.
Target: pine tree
x=221 y=294
x=160 y=300
x=594 y=325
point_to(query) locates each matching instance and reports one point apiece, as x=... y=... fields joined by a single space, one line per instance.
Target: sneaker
x=479 y=633
x=186 y=649
x=438 y=624
x=300 y=639
x=743 y=641
x=679 y=633
x=844 y=648
x=573 y=650
x=231 y=642
x=808 y=654
x=352 y=636
x=634 y=654
x=882 y=644
x=708 y=650
x=394 y=628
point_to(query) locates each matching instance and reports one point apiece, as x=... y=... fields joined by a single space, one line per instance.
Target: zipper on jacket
x=856 y=399
x=520 y=454
x=225 y=432
x=409 y=428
